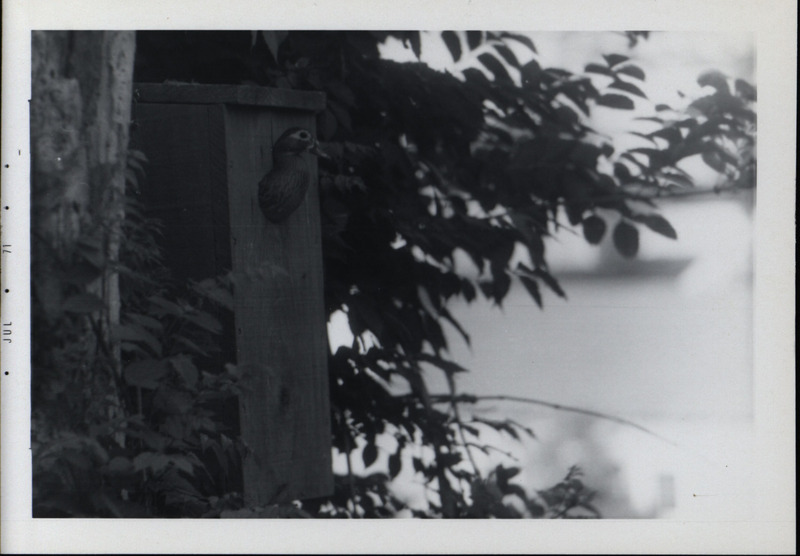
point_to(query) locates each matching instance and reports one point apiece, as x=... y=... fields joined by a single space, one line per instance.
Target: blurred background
x=664 y=340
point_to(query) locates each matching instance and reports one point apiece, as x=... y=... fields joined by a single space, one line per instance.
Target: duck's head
x=295 y=141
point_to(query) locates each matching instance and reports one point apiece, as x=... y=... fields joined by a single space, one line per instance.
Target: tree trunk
x=80 y=115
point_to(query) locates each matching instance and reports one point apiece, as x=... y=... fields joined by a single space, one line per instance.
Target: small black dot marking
x=6 y=207
x=6 y=165
x=6 y=373
x=6 y=290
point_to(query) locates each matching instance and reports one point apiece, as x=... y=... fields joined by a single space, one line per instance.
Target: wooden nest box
x=208 y=146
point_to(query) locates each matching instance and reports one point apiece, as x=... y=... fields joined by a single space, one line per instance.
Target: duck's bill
x=317 y=150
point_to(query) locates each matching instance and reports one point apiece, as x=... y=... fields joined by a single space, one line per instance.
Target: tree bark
x=80 y=115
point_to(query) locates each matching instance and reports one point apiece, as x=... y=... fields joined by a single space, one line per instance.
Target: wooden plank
x=280 y=321
x=237 y=95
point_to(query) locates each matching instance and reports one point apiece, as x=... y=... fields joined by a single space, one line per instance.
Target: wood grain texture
x=205 y=162
x=280 y=320
x=241 y=95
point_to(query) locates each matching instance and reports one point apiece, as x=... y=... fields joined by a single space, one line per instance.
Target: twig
x=459 y=423
x=350 y=480
x=659 y=195
x=486 y=447
x=469 y=398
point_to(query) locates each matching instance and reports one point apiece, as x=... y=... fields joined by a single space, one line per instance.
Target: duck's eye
x=304 y=135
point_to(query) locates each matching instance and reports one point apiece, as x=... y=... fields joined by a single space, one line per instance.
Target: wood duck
x=283 y=188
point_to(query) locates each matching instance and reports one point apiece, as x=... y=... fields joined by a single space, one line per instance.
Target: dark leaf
x=521 y=39
x=370 y=454
x=205 y=321
x=551 y=282
x=341 y=92
x=453 y=44
x=341 y=114
x=531 y=73
x=81 y=274
x=448 y=367
x=626 y=239
x=131 y=348
x=368 y=504
x=145 y=374
x=394 y=464
x=622 y=173
x=658 y=224
x=628 y=88
x=191 y=346
x=536 y=509
x=575 y=213
x=136 y=333
x=186 y=369
x=474 y=39
x=713 y=159
x=151 y=460
x=726 y=155
x=536 y=250
x=651 y=119
x=215 y=290
x=714 y=79
x=594 y=228
x=680 y=179
x=533 y=289
x=663 y=107
x=173 y=402
x=567 y=116
x=616 y=101
x=495 y=66
x=656 y=157
x=506 y=473
x=83 y=303
x=597 y=68
x=416 y=44
x=614 y=59
x=146 y=321
x=166 y=306
x=629 y=156
x=501 y=285
x=500 y=426
x=135 y=165
x=745 y=90
x=671 y=134
x=119 y=466
x=590 y=507
x=447 y=316
x=271 y=38
x=644 y=136
x=130 y=178
x=476 y=77
x=507 y=55
x=137 y=155
x=633 y=71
